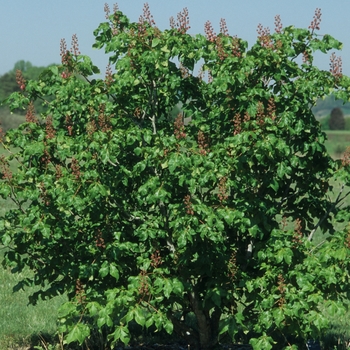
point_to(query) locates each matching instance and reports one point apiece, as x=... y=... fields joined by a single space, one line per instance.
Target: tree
x=139 y=217
x=337 y=121
x=9 y=84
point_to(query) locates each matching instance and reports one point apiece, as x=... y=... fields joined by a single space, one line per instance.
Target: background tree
x=337 y=120
x=9 y=84
x=138 y=217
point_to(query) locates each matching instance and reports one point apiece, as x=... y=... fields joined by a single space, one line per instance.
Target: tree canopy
x=142 y=217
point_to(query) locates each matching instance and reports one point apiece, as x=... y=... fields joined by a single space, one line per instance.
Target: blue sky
x=32 y=30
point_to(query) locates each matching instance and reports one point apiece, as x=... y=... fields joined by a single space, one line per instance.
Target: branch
x=110 y=162
x=153 y=120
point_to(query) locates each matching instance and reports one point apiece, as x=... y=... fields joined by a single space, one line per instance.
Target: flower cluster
x=75 y=45
x=103 y=119
x=147 y=16
x=115 y=18
x=184 y=71
x=109 y=76
x=298 y=234
x=218 y=40
x=58 y=170
x=183 y=21
x=271 y=108
x=66 y=59
x=260 y=113
x=201 y=73
x=107 y=10
x=99 y=240
x=20 y=80
x=5 y=169
x=223 y=27
x=64 y=53
x=30 y=114
x=346 y=157
x=210 y=76
x=50 y=130
x=75 y=168
x=46 y=158
x=238 y=121
x=79 y=291
x=220 y=48
x=144 y=285
x=236 y=51
x=179 y=127
x=203 y=144
x=336 y=66
x=145 y=19
x=156 y=259
x=223 y=193
x=43 y=194
x=188 y=205
x=315 y=24
x=264 y=36
x=209 y=31
x=306 y=57
x=69 y=124
x=278 y=24
x=268 y=112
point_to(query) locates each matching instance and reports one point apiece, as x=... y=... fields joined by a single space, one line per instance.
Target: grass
x=337 y=142
x=23 y=325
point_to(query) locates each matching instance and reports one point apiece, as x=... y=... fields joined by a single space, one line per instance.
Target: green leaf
x=137 y=151
x=6 y=239
x=139 y=316
x=113 y=271
x=167 y=288
x=78 y=334
x=122 y=333
x=104 y=269
x=155 y=42
x=66 y=309
x=168 y=326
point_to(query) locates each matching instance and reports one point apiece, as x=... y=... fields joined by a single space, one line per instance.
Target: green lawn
x=22 y=324
x=337 y=142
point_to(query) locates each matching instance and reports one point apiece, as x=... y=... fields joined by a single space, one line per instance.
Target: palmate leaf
x=78 y=334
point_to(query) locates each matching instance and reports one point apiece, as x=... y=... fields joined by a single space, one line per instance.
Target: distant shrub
x=337 y=120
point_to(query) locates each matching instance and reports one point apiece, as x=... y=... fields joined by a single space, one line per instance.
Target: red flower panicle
x=315 y=24
x=20 y=80
x=179 y=127
x=336 y=66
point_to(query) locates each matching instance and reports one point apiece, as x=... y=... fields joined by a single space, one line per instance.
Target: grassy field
x=22 y=325
x=337 y=142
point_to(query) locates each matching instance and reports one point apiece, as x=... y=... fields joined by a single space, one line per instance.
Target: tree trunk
x=208 y=326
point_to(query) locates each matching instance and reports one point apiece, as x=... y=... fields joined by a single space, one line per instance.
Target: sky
x=32 y=30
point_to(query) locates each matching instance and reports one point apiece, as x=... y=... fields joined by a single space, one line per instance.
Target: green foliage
x=143 y=219
x=337 y=121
